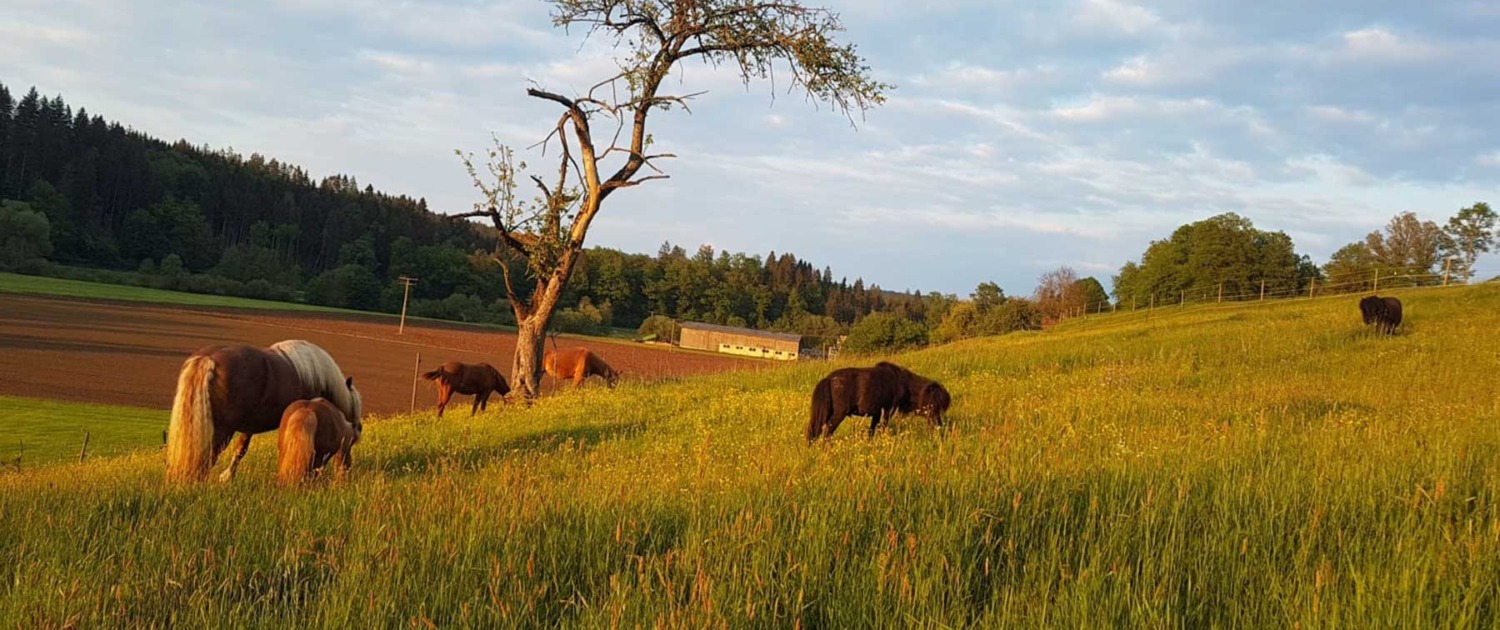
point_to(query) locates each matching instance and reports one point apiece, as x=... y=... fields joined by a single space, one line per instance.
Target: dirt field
x=129 y=354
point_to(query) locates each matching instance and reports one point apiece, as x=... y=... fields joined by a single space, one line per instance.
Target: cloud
x=1021 y=136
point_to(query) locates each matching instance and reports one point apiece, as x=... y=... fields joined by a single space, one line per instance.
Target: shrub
x=883 y=332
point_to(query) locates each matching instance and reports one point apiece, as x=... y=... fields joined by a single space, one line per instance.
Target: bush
x=660 y=325
x=884 y=332
x=349 y=286
x=25 y=235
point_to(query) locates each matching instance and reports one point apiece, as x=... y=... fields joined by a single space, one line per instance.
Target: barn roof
x=749 y=332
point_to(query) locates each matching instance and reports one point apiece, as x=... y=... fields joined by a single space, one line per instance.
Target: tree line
x=86 y=198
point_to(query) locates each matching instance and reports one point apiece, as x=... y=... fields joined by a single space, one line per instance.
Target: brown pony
x=313 y=432
x=877 y=392
x=479 y=380
x=222 y=390
x=577 y=364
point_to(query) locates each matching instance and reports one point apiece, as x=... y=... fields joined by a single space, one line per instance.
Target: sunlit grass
x=1269 y=465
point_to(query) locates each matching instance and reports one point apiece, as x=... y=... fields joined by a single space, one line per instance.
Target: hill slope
x=1249 y=466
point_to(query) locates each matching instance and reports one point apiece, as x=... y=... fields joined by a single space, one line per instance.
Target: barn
x=744 y=342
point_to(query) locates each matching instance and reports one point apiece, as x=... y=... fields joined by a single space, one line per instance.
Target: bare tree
x=608 y=124
x=1058 y=295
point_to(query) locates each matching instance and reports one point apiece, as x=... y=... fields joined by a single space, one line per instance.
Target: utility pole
x=408 y=281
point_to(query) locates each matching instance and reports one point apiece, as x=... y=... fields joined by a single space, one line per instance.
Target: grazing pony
x=226 y=389
x=479 y=380
x=877 y=392
x=577 y=364
x=1383 y=312
x=312 y=433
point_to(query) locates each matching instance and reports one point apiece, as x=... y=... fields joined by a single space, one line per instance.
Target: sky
x=1020 y=136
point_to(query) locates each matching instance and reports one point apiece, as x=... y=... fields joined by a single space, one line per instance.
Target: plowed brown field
x=129 y=354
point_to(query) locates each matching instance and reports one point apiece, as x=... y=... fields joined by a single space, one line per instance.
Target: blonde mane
x=321 y=376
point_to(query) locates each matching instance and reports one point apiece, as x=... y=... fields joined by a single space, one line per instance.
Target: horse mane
x=321 y=375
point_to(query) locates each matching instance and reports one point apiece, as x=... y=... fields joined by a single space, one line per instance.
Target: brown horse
x=479 y=380
x=313 y=432
x=877 y=392
x=577 y=364
x=226 y=389
x=1383 y=312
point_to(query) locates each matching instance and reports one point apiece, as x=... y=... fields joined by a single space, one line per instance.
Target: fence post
x=1446 y=263
x=1221 y=292
x=1262 y=290
x=84 y=452
x=1311 y=284
x=416 y=373
x=1377 y=282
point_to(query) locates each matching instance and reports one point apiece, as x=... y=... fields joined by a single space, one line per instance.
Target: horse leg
x=241 y=444
x=443 y=395
x=475 y=409
x=875 y=421
x=578 y=379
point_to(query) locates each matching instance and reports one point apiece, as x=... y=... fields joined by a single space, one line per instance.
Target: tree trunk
x=526 y=371
x=531 y=333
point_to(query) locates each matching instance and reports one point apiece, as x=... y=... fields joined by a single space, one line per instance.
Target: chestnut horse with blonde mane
x=577 y=364
x=223 y=390
x=313 y=433
x=480 y=380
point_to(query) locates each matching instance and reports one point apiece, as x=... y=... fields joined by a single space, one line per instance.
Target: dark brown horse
x=313 y=433
x=876 y=392
x=577 y=364
x=479 y=380
x=1383 y=312
x=222 y=390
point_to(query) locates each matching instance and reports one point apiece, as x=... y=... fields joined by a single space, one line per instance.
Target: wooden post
x=1221 y=291
x=416 y=375
x=1153 y=302
x=1377 y=282
x=1446 y=264
x=1182 y=298
x=404 y=296
x=84 y=452
x=1262 y=290
x=1312 y=283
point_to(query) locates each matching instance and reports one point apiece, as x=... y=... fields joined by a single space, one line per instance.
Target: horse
x=479 y=380
x=876 y=392
x=577 y=364
x=313 y=432
x=1383 y=312
x=222 y=390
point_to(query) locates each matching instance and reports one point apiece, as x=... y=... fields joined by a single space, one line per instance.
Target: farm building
x=739 y=341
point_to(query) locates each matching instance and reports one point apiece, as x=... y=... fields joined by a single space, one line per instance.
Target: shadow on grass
x=420 y=460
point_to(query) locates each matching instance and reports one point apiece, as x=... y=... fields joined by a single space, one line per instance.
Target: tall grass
x=1264 y=466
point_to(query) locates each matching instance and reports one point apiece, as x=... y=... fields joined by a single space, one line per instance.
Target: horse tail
x=190 y=433
x=433 y=375
x=295 y=443
x=822 y=409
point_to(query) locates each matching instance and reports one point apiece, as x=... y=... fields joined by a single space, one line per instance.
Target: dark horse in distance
x=222 y=390
x=480 y=380
x=876 y=392
x=1383 y=312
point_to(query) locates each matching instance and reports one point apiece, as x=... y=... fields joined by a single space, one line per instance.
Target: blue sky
x=1021 y=136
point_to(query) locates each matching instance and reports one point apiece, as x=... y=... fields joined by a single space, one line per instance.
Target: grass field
x=60 y=287
x=41 y=285
x=39 y=432
x=1267 y=466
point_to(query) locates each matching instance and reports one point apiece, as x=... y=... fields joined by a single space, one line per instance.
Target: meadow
x=1256 y=465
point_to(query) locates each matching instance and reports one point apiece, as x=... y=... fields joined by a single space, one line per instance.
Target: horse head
x=356 y=408
x=933 y=402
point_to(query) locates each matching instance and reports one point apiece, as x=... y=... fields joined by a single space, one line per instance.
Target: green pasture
x=1265 y=465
